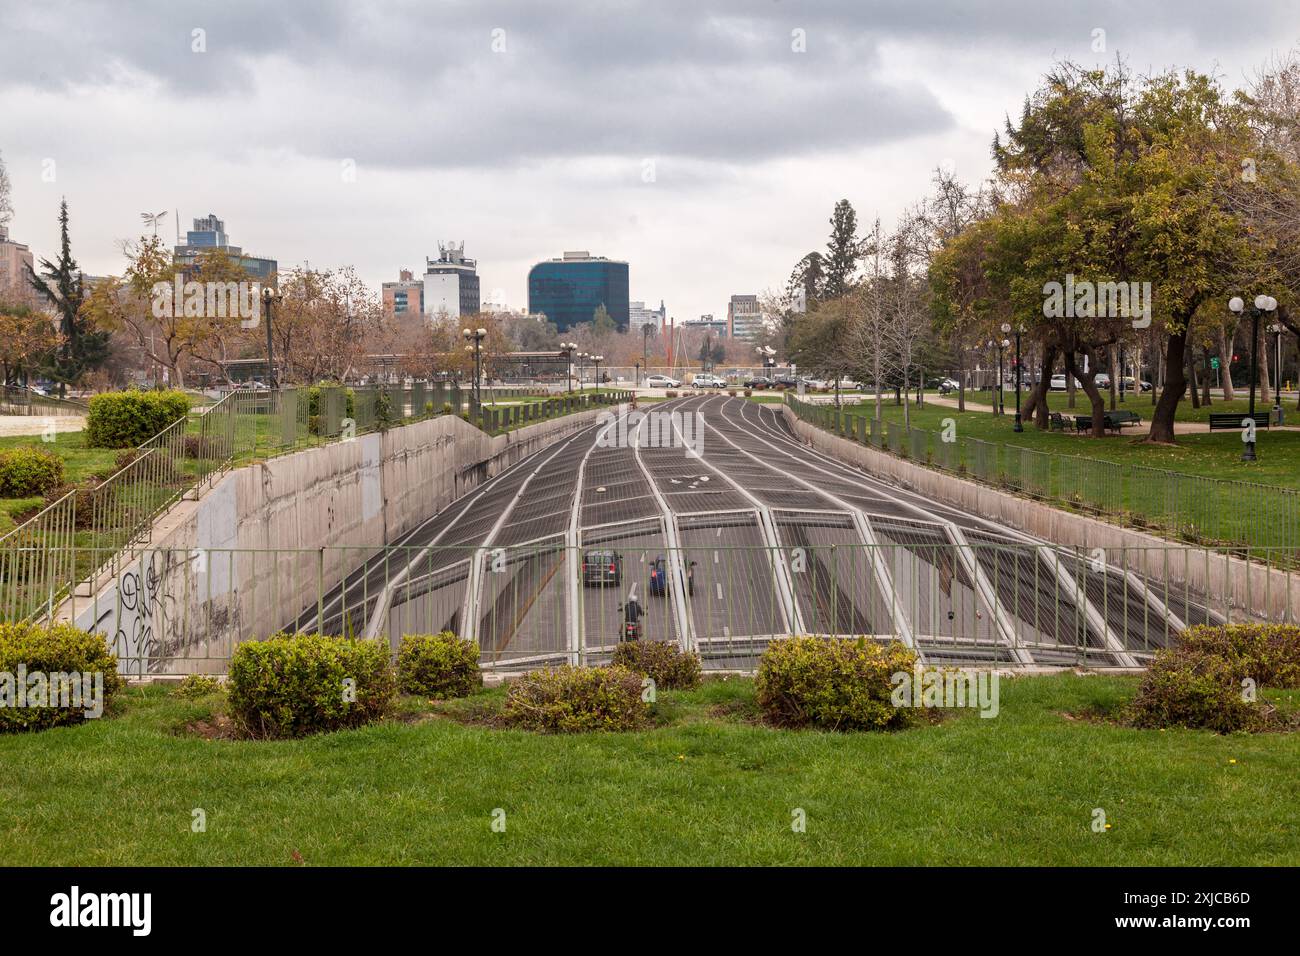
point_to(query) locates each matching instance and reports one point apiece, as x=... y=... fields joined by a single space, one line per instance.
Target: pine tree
x=82 y=348
x=842 y=251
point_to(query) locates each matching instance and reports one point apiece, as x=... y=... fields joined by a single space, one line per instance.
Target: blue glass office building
x=569 y=290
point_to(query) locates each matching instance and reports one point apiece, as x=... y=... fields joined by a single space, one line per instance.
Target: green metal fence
x=65 y=541
x=1190 y=508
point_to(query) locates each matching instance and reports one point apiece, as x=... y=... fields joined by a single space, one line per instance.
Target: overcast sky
x=703 y=142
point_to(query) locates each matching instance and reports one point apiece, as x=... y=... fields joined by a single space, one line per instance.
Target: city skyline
x=555 y=136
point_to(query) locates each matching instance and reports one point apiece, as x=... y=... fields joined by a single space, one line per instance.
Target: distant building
x=15 y=260
x=707 y=323
x=744 y=318
x=570 y=289
x=405 y=296
x=210 y=233
x=451 y=284
x=639 y=315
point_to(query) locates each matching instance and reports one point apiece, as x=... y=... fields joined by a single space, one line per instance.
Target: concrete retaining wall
x=217 y=570
x=1234 y=587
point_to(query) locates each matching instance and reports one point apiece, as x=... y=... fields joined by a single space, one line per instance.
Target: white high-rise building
x=639 y=315
x=451 y=282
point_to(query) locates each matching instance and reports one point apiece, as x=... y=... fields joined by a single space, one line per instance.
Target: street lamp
x=475 y=337
x=1261 y=305
x=568 y=349
x=1006 y=327
x=270 y=298
x=597 y=359
x=582 y=367
x=646 y=329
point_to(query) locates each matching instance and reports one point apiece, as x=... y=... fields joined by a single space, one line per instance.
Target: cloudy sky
x=704 y=142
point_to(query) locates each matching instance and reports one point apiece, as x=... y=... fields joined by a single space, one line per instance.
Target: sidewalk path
x=35 y=424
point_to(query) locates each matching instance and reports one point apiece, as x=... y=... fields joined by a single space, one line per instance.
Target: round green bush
x=128 y=419
x=576 y=700
x=292 y=685
x=1190 y=688
x=194 y=686
x=1268 y=654
x=438 y=665
x=56 y=652
x=832 y=683
x=662 y=661
x=28 y=471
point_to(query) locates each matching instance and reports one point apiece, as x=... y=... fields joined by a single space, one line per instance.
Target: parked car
x=659 y=577
x=1057 y=384
x=661 y=381
x=1102 y=380
x=602 y=567
x=758 y=381
x=1132 y=385
x=815 y=384
x=708 y=381
x=947 y=385
x=785 y=381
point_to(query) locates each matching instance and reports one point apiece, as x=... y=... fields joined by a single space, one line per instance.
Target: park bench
x=1057 y=421
x=1113 y=421
x=1219 y=420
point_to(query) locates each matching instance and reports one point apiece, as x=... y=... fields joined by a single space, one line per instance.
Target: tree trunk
x=1114 y=375
x=1261 y=362
x=1191 y=376
x=1088 y=381
x=1225 y=361
x=1035 y=406
x=1205 y=378
x=1162 y=418
x=1069 y=380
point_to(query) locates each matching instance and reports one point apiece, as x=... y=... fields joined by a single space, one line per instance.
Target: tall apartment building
x=15 y=259
x=405 y=296
x=209 y=233
x=744 y=318
x=707 y=323
x=451 y=285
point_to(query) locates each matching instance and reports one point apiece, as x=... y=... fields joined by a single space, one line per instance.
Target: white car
x=661 y=381
x=1057 y=384
x=1102 y=380
x=708 y=381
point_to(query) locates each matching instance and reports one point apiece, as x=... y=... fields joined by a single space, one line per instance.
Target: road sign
x=1214 y=363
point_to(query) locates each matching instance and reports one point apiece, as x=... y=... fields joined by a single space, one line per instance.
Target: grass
x=1211 y=455
x=1059 y=402
x=79 y=463
x=706 y=786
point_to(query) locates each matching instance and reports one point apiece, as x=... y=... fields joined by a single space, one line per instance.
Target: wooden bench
x=1233 y=420
x=1112 y=421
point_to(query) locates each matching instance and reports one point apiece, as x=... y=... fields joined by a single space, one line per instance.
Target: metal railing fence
x=179 y=611
x=1189 y=508
x=91 y=530
x=24 y=401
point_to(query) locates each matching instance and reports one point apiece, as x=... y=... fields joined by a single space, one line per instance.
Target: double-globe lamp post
x=270 y=299
x=998 y=403
x=475 y=337
x=1277 y=330
x=568 y=350
x=1263 y=304
x=1006 y=327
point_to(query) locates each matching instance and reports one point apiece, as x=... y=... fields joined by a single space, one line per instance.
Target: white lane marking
x=718 y=585
x=631 y=592
x=719 y=531
x=715 y=556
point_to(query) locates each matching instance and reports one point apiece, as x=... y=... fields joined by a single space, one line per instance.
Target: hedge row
x=44 y=659
x=28 y=471
x=128 y=419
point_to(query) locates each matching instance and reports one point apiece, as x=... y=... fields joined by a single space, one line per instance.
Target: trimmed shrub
x=662 y=661
x=127 y=419
x=576 y=700
x=1269 y=654
x=28 y=471
x=832 y=683
x=194 y=686
x=27 y=650
x=1192 y=689
x=295 y=684
x=438 y=665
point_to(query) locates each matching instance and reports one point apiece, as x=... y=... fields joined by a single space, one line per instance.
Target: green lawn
x=79 y=462
x=1142 y=404
x=1216 y=455
x=707 y=786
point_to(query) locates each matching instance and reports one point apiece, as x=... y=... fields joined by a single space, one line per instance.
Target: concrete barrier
x=208 y=577
x=1234 y=587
